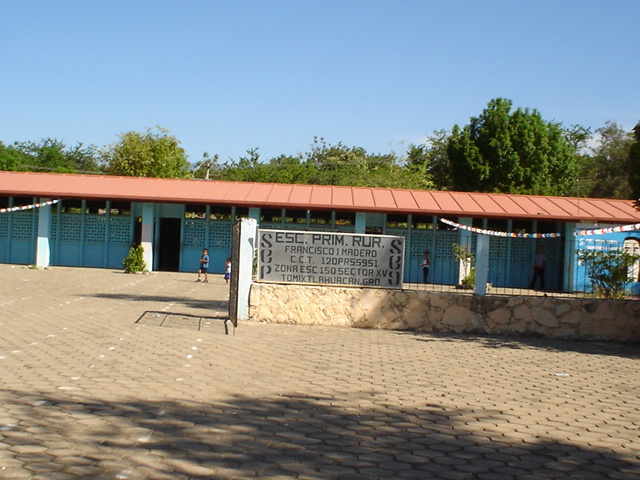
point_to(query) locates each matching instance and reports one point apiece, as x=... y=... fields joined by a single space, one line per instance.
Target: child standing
x=227 y=270
x=426 y=263
x=204 y=266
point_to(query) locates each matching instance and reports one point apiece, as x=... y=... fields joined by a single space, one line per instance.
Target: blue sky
x=227 y=76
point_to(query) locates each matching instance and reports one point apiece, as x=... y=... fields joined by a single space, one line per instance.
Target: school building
x=93 y=220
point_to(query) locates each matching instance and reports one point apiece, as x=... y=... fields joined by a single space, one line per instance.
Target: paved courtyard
x=112 y=376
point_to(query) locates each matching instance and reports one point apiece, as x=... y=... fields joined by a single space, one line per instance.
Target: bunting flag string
x=28 y=207
x=500 y=234
x=601 y=231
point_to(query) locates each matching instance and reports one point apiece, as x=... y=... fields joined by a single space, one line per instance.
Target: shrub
x=134 y=262
x=608 y=271
x=466 y=256
x=469 y=282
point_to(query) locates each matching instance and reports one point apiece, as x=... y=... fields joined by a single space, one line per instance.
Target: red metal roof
x=317 y=197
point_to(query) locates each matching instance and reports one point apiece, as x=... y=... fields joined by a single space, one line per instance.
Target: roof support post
x=43 y=250
x=569 y=240
x=254 y=212
x=361 y=222
x=148 y=215
x=482 y=265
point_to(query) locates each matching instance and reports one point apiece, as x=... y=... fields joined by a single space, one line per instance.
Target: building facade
x=96 y=219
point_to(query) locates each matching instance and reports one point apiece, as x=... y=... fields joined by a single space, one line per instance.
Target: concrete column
x=243 y=248
x=148 y=215
x=254 y=213
x=43 y=250
x=568 y=277
x=482 y=265
x=361 y=222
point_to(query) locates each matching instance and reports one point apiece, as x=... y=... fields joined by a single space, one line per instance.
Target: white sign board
x=320 y=258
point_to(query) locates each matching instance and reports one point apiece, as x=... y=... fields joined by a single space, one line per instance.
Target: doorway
x=169 y=245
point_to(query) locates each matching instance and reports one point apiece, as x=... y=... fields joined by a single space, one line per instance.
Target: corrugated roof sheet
x=318 y=197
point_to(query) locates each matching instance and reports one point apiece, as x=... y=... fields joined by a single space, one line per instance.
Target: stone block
x=545 y=317
x=501 y=316
x=523 y=313
x=440 y=301
x=414 y=318
x=563 y=307
x=572 y=318
x=457 y=316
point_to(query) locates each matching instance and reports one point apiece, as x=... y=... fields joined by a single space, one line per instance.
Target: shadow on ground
x=593 y=347
x=183 y=320
x=207 y=305
x=275 y=438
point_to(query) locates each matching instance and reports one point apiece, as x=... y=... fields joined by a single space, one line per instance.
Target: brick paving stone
x=16 y=473
x=624 y=475
x=54 y=476
x=455 y=475
x=94 y=386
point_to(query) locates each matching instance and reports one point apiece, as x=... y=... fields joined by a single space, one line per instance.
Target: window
x=497 y=225
x=270 y=215
x=521 y=226
x=219 y=213
x=120 y=209
x=241 y=212
x=422 y=222
x=320 y=218
x=477 y=222
x=71 y=207
x=446 y=226
x=22 y=201
x=548 y=227
x=195 y=211
x=296 y=216
x=344 y=219
x=95 y=207
x=397 y=221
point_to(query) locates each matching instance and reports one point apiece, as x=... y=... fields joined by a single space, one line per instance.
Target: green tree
x=431 y=161
x=246 y=169
x=609 y=163
x=208 y=168
x=49 y=155
x=336 y=164
x=511 y=152
x=149 y=154
x=353 y=166
x=289 y=169
x=84 y=159
x=579 y=138
x=11 y=157
x=327 y=164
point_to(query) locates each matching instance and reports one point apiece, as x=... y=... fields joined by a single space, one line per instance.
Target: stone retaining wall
x=446 y=312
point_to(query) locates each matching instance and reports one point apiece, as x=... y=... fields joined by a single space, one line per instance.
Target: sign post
x=242 y=251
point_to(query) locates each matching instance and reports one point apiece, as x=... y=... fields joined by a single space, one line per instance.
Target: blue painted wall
x=603 y=242
x=103 y=240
